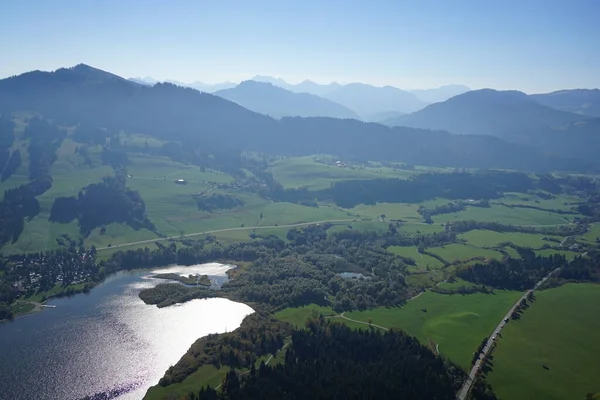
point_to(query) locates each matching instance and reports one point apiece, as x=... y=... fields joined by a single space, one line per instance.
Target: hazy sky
x=533 y=46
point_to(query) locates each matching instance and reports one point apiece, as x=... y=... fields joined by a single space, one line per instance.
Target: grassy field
x=422 y=260
x=456 y=323
x=297 y=316
x=407 y=212
x=593 y=234
x=456 y=284
x=549 y=252
x=173 y=210
x=307 y=171
x=461 y=252
x=561 y=202
x=560 y=330
x=504 y=215
x=205 y=375
x=485 y=238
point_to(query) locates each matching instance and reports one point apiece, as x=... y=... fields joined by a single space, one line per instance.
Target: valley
x=332 y=225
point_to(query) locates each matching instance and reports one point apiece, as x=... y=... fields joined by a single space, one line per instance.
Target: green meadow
x=485 y=238
x=318 y=172
x=504 y=215
x=423 y=261
x=457 y=323
x=297 y=316
x=462 y=252
x=559 y=330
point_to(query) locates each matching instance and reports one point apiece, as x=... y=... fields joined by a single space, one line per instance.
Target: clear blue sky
x=534 y=46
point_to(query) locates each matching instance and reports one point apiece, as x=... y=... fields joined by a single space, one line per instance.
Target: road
x=359 y=322
x=464 y=391
x=225 y=230
x=267 y=227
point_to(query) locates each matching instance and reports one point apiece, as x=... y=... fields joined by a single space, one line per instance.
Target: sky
x=533 y=46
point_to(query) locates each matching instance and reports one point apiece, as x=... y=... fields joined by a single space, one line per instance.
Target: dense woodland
x=513 y=273
x=102 y=203
x=332 y=361
x=259 y=334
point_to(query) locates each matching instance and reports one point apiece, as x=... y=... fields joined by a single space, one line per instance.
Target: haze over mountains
x=489 y=129
x=367 y=102
x=578 y=101
x=277 y=102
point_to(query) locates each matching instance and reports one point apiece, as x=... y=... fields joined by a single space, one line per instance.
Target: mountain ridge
x=278 y=102
x=193 y=119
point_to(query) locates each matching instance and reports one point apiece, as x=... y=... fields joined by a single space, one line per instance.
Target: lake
x=108 y=341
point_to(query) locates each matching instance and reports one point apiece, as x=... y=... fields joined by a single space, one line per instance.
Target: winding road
x=464 y=391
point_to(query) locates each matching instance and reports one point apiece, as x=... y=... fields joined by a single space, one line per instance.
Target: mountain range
x=368 y=101
x=85 y=95
x=578 y=101
x=277 y=102
x=512 y=116
x=486 y=112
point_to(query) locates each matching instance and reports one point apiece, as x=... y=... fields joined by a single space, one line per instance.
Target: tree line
x=332 y=361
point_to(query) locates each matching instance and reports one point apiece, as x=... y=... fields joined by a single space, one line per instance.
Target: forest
x=259 y=334
x=102 y=203
x=332 y=361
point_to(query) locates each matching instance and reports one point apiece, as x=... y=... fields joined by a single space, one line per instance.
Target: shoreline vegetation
x=26 y=306
x=192 y=280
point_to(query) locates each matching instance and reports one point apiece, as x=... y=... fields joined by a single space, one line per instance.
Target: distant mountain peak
x=90 y=73
x=271 y=99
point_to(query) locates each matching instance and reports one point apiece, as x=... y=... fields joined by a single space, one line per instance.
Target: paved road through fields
x=464 y=391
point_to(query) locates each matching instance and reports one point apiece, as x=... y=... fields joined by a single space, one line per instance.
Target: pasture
x=561 y=202
x=485 y=238
x=569 y=255
x=392 y=211
x=318 y=172
x=423 y=261
x=457 y=323
x=504 y=215
x=559 y=330
x=205 y=375
x=462 y=252
x=592 y=236
x=297 y=316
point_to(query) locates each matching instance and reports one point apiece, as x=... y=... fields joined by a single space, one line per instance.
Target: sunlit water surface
x=108 y=341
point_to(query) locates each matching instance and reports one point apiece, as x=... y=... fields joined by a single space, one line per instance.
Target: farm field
x=560 y=202
x=485 y=238
x=407 y=212
x=297 y=316
x=569 y=255
x=306 y=171
x=205 y=375
x=592 y=236
x=462 y=252
x=560 y=329
x=422 y=260
x=457 y=323
x=456 y=284
x=504 y=215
